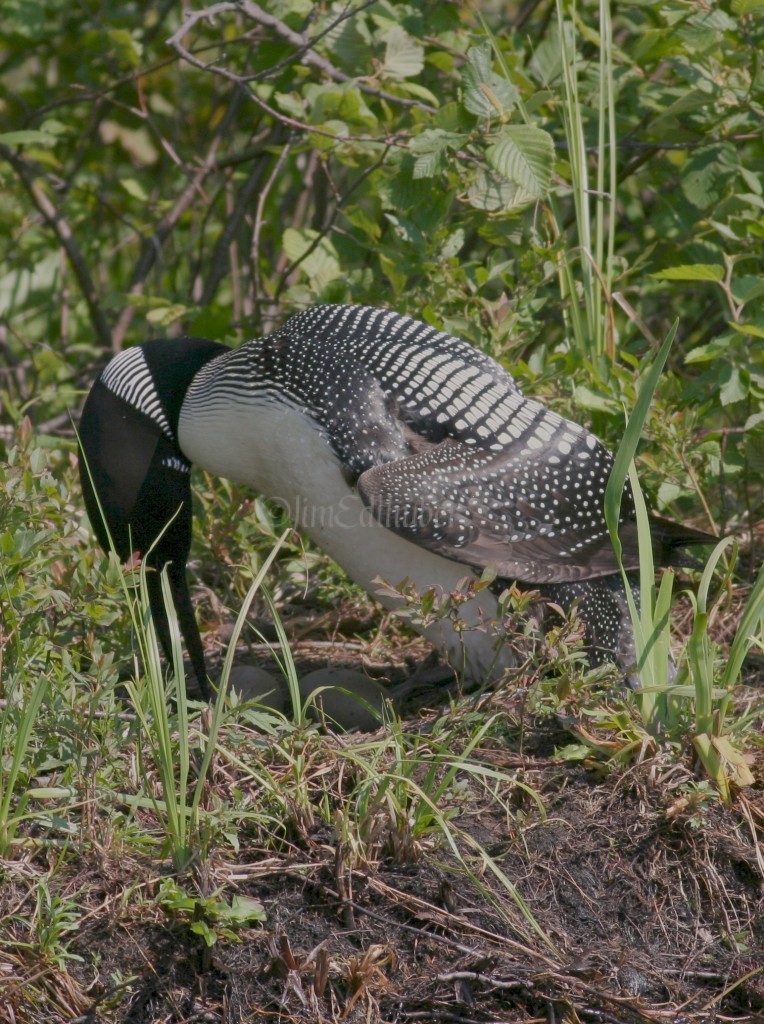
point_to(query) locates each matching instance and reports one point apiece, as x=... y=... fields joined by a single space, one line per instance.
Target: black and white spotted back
x=445 y=447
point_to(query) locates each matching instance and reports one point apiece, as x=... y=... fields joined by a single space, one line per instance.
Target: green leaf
x=339 y=102
x=429 y=149
x=691 y=272
x=165 y=316
x=524 y=155
x=743 y=7
x=418 y=91
x=751 y=624
x=321 y=264
x=628 y=446
x=734 y=388
x=203 y=929
x=546 y=62
x=487 y=192
x=360 y=218
x=134 y=188
x=245 y=910
x=485 y=93
x=669 y=491
x=404 y=57
x=124 y=48
x=585 y=398
x=52 y=126
x=572 y=752
x=705 y=353
x=291 y=103
x=429 y=164
x=748 y=329
x=322 y=142
x=745 y=289
x=350 y=44
x=28 y=137
x=736 y=758
x=702 y=179
x=453 y=244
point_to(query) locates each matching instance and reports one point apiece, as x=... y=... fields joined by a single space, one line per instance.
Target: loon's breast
x=282 y=452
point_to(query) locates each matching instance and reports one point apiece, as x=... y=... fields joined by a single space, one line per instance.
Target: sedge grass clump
x=164 y=716
x=689 y=706
x=692 y=705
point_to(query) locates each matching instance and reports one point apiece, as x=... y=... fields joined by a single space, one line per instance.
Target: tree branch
x=259 y=214
x=152 y=246
x=220 y=252
x=304 y=48
x=60 y=227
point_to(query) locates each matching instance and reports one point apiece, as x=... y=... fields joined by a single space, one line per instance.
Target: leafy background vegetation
x=556 y=183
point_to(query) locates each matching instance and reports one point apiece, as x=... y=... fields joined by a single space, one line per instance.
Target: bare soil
x=648 y=900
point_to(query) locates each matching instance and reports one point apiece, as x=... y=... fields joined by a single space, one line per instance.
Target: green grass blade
x=286 y=661
x=244 y=610
x=183 y=742
x=631 y=435
x=217 y=713
x=9 y=779
x=150 y=699
x=751 y=626
x=699 y=648
x=651 y=622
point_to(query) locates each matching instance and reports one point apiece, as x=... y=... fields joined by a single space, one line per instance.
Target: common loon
x=405 y=453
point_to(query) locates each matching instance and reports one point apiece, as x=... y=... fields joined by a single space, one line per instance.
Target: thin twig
x=291 y=122
x=328 y=226
x=241 y=80
x=350 y=12
x=259 y=215
x=52 y=426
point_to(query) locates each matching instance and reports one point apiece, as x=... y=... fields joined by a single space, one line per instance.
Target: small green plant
x=650 y=618
x=434 y=605
x=400 y=806
x=45 y=584
x=55 y=920
x=53 y=924
x=168 y=733
x=212 y=917
x=592 y=327
x=723 y=759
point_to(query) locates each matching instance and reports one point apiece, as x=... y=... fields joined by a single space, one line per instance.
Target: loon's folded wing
x=536 y=519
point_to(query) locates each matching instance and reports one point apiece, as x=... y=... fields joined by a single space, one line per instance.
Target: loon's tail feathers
x=670 y=537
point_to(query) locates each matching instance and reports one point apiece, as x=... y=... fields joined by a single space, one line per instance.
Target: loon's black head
x=135 y=479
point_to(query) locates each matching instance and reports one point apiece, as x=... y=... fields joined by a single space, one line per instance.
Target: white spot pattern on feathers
x=361 y=373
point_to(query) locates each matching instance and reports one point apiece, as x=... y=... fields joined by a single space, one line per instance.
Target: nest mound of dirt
x=625 y=902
